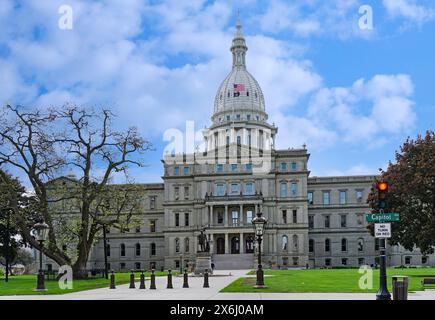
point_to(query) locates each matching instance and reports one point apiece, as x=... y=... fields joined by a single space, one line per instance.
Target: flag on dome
x=239 y=87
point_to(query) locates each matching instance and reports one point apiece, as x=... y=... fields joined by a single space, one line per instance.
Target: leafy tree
x=412 y=194
x=44 y=144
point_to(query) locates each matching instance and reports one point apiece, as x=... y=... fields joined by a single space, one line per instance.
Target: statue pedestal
x=203 y=261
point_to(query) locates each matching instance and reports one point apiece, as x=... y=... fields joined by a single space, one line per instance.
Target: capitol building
x=311 y=221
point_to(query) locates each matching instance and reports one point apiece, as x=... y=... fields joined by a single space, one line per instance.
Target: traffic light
x=382 y=194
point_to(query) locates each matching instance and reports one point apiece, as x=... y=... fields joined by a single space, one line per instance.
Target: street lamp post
x=383 y=293
x=106 y=269
x=40 y=231
x=259 y=223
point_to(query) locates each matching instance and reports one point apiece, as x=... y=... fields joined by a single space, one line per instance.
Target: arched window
x=137 y=247
x=108 y=250
x=249 y=244
x=295 y=242
x=122 y=250
x=239 y=140
x=284 y=242
x=327 y=245
x=153 y=249
x=186 y=245
x=360 y=244
x=177 y=245
x=343 y=245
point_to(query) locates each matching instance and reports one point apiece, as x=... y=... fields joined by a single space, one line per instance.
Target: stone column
x=226 y=216
x=256 y=209
x=226 y=244
x=211 y=215
x=242 y=249
x=241 y=215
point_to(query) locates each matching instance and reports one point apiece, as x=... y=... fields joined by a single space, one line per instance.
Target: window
x=295 y=242
x=177 y=264
x=228 y=117
x=235 y=217
x=344 y=261
x=64 y=247
x=176 y=171
x=311 y=245
x=137 y=265
x=360 y=245
x=234 y=188
x=407 y=260
x=284 y=216
x=248 y=117
x=294 y=189
x=249 y=190
x=343 y=220
x=108 y=250
x=220 y=167
x=186 y=192
x=424 y=259
x=220 y=217
x=177 y=219
x=220 y=190
x=327 y=262
x=122 y=266
x=176 y=193
x=234 y=167
x=186 y=170
x=186 y=245
x=295 y=216
x=177 y=245
x=343 y=245
x=283 y=166
x=327 y=245
x=152 y=225
x=248 y=167
x=342 y=197
x=361 y=261
x=359 y=196
x=137 y=247
x=122 y=250
x=377 y=242
x=284 y=261
x=311 y=221
x=295 y=261
x=239 y=140
x=283 y=189
x=310 y=197
x=294 y=166
x=186 y=219
x=152 y=202
x=228 y=138
x=284 y=243
x=137 y=229
x=326 y=197
x=327 y=221
x=249 y=216
x=153 y=249
x=359 y=218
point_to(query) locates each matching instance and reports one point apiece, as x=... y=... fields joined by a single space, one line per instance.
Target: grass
x=25 y=284
x=325 y=280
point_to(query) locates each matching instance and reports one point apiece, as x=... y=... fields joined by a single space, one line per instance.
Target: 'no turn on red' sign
x=382 y=230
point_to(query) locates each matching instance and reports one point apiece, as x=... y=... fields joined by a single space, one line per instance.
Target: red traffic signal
x=383 y=186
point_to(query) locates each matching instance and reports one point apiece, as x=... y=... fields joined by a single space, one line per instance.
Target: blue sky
x=352 y=95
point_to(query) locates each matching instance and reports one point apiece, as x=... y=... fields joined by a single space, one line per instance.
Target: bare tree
x=42 y=144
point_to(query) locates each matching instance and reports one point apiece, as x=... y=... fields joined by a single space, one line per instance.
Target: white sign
x=382 y=230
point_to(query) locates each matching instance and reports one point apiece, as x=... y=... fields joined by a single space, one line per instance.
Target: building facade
x=312 y=221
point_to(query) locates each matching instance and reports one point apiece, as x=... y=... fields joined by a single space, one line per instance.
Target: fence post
x=142 y=280
x=206 y=284
x=169 y=286
x=112 y=280
x=185 y=279
x=132 y=286
x=153 y=280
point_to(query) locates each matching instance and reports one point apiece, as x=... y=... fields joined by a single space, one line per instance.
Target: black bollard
x=153 y=280
x=132 y=286
x=185 y=279
x=112 y=280
x=169 y=286
x=142 y=280
x=206 y=285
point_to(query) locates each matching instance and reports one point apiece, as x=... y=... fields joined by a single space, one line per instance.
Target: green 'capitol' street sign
x=382 y=217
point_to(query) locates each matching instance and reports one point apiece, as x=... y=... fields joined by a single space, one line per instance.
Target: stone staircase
x=233 y=261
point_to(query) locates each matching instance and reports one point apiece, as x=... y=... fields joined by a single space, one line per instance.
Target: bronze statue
x=203 y=242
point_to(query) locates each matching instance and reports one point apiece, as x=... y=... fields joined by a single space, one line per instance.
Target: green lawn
x=324 y=280
x=25 y=284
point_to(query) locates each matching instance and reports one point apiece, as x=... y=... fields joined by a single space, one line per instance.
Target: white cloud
x=409 y=9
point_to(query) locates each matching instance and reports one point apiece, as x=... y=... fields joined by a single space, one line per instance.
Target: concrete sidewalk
x=197 y=292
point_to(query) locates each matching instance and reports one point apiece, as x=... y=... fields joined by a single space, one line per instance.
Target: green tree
x=412 y=194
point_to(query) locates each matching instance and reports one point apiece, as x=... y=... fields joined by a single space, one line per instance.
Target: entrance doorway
x=235 y=245
x=220 y=246
x=249 y=244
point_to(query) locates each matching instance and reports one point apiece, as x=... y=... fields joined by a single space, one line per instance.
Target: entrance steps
x=233 y=261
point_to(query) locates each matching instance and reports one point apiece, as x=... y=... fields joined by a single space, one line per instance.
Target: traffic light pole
x=383 y=293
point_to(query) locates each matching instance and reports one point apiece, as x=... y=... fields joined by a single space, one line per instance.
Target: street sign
x=382 y=230
x=382 y=217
